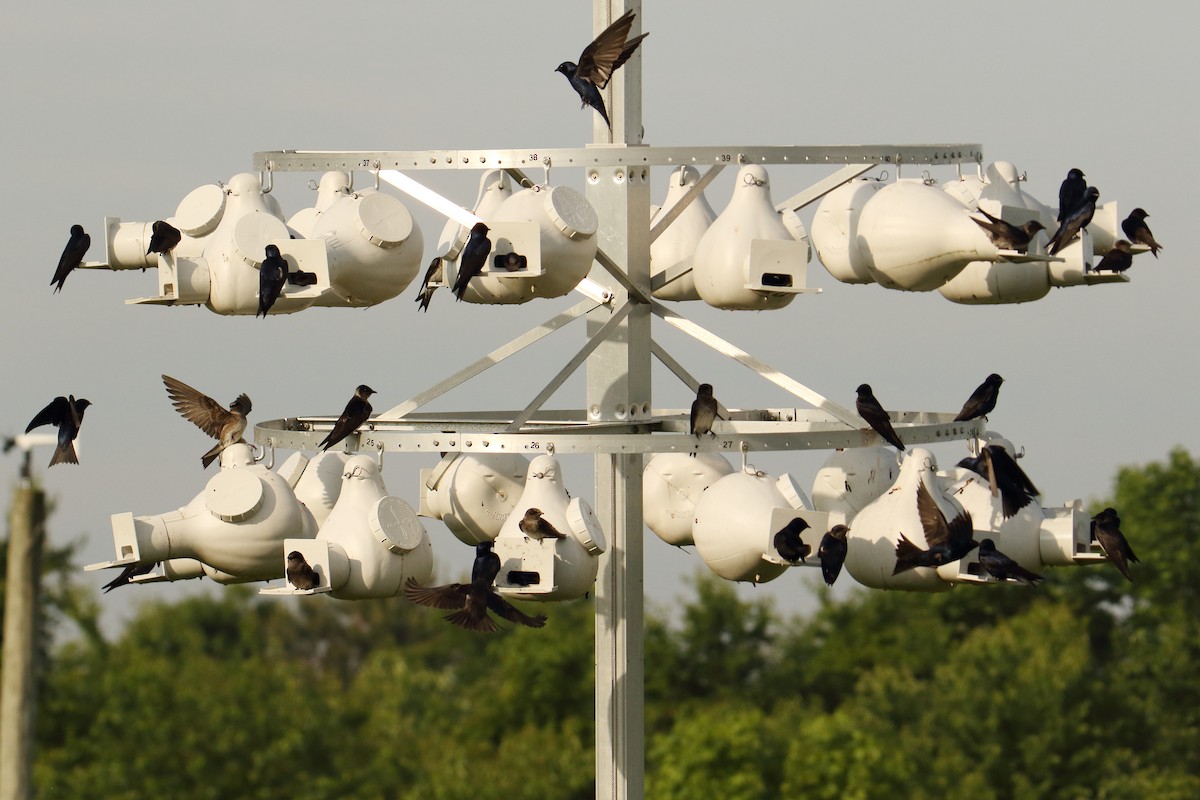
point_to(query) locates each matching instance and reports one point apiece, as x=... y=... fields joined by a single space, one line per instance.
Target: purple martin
x=999 y=566
x=128 y=574
x=1007 y=236
x=272 y=274
x=870 y=410
x=982 y=400
x=1138 y=231
x=1071 y=193
x=474 y=256
x=832 y=553
x=788 y=543
x=65 y=413
x=599 y=60
x=535 y=526
x=72 y=256
x=471 y=602
x=435 y=274
x=1118 y=259
x=511 y=262
x=299 y=573
x=1076 y=221
x=357 y=411
x=164 y=238
x=1106 y=528
x=1006 y=477
x=704 y=411
x=224 y=425
x=948 y=541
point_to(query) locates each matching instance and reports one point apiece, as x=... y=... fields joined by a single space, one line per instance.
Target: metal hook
x=550 y=448
x=270 y=463
x=926 y=178
x=929 y=465
x=379 y=457
x=979 y=169
x=958 y=169
x=266 y=179
x=350 y=186
x=376 y=166
x=1023 y=177
x=546 y=169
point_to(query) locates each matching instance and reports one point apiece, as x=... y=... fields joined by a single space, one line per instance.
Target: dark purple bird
x=1106 y=528
x=1007 y=236
x=1005 y=476
x=357 y=411
x=65 y=413
x=999 y=566
x=474 y=256
x=1071 y=193
x=832 y=553
x=1076 y=221
x=982 y=400
x=1138 y=231
x=434 y=274
x=272 y=275
x=164 y=238
x=870 y=410
x=788 y=543
x=1117 y=259
x=948 y=541
x=128 y=574
x=599 y=60
x=72 y=256
x=472 y=601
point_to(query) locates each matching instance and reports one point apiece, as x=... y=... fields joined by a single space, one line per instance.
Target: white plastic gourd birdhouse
x=371 y=542
x=1003 y=187
x=737 y=518
x=473 y=493
x=672 y=484
x=748 y=259
x=539 y=566
x=553 y=229
x=671 y=253
x=916 y=237
x=874 y=532
x=835 y=230
x=231 y=532
x=851 y=479
x=320 y=482
x=331 y=187
x=987 y=283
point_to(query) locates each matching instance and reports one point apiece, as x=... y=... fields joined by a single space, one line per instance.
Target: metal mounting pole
x=618 y=388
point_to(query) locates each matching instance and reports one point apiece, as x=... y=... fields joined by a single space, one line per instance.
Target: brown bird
x=472 y=601
x=704 y=411
x=299 y=573
x=870 y=410
x=1007 y=236
x=357 y=411
x=435 y=274
x=535 y=526
x=224 y=425
x=1138 y=232
x=1118 y=259
x=1106 y=528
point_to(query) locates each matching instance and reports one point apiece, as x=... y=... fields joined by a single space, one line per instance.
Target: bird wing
x=452 y=596
x=1009 y=471
x=55 y=413
x=506 y=610
x=196 y=407
x=933 y=521
x=72 y=254
x=435 y=269
x=608 y=51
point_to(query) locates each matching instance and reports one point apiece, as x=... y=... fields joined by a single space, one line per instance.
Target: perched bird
x=473 y=257
x=1007 y=236
x=1006 y=477
x=1138 y=231
x=127 y=575
x=1117 y=259
x=163 y=238
x=435 y=274
x=788 y=543
x=511 y=262
x=704 y=411
x=832 y=553
x=599 y=60
x=224 y=425
x=357 y=411
x=299 y=573
x=66 y=413
x=1076 y=221
x=473 y=600
x=870 y=410
x=72 y=256
x=948 y=541
x=272 y=274
x=535 y=526
x=982 y=400
x=1071 y=193
x=1106 y=527
x=994 y=563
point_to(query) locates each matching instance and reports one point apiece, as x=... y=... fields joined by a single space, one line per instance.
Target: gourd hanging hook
x=266 y=179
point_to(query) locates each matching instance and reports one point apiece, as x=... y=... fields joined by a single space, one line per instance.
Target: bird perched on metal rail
x=1106 y=528
x=164 y=238
x=535 y=526
x=1071 y=193
x=1005 y=476
x=272 y=275
x=66 y=414
x=832 y=552
x=299 y=573
x=1138 y=231
x=870 y=410
x=473 y=257
x=999 y=566
x=948 y=541
x=704 y=411
x=434 y=274
x=1007 y=236
x=472 y=601
x=982 y=400
x=788 y=543
x=1076 y=221
x=357 y=411
x=224 y=425
x=599 y=60
x=72 y=256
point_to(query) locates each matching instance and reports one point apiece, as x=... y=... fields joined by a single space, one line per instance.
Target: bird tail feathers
x=65 y=454
x=907 y=555
x=480 y=623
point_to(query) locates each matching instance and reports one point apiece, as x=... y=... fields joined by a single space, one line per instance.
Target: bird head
x=1075 y=173
x=1138 y=213
x=1093 y=193
x=987 y=546
x=242 y=404
x=82 y=404
x=77 y=230
x=566 y=68
x=864 y=390
x=533 y=513
x=1033 y=226
x=839 y=531
x=704 y=390
x=295 y=556
x=479 y=229
x=272 y=251
x=364 y=391
x=484 y=547
x=995 y=379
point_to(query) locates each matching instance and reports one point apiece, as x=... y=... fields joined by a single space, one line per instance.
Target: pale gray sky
x=122 y=108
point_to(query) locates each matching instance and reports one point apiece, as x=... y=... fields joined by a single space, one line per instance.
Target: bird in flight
x=599 y=60
x=226 y=425
x=472 y=601
x=65 y=413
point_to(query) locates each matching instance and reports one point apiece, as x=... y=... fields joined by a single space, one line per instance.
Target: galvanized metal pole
x=25 y=538
x=618 y=388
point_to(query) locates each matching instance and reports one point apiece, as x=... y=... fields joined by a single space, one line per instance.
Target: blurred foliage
x=1082 y=687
